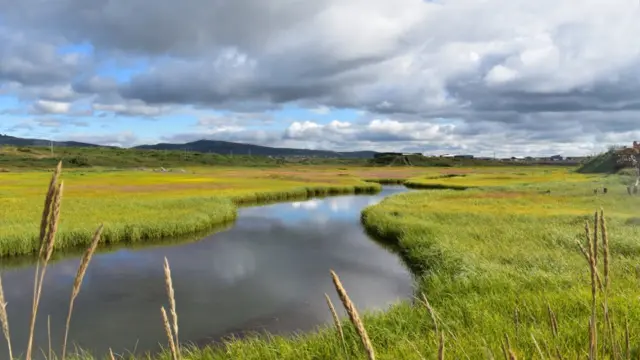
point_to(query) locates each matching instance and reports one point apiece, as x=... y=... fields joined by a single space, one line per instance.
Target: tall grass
x=512 y=291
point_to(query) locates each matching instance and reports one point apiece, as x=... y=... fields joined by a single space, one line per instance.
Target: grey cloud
x=130 y=108
x=28 y=61
x=498 y=71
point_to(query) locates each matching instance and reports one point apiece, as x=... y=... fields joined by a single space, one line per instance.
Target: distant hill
x=16 y=141
x=203 y=146
x=231 y=148
x=604 y=163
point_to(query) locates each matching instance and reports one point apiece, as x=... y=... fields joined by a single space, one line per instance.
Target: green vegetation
x=499 y=263
x=605 y=163
x=26 y=158
x=140 y=206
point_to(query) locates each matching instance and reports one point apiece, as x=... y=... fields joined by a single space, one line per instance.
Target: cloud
x=121 y=139
x=511 y=75
x=51 y=107
x=130 y=108
x=29 y=60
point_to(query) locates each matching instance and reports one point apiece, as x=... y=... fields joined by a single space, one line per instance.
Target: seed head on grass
x=43 y=259
x=353 y=316
x=4 y=319
x=77 y=283
x=167 y=329
x=172 y=303
x=605 y=247
x=47 y=204
x=336 y=320
x=432 y=313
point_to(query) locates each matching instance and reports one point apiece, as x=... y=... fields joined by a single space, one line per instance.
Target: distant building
x=556 y=158
x=463 y=156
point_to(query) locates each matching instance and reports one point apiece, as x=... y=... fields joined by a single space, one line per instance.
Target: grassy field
x=137 y=206
x=496 y=261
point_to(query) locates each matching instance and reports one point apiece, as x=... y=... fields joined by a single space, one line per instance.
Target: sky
x=484 y=77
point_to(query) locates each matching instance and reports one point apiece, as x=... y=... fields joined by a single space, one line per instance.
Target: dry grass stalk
x=627 y=343
x=47 y=205
x=172 y=304
x=512 y=355
x=49 y=336
x=605 y=247
x=167 y=329
x=4 y=319
x=507 y=342
x=504 y=350
x=111 y=356
x=596 y=222
x=77 y=283
x=336 y=320
x=353 y=315
x=592 y=338
x=516 y=320
x=441 y=348
x=553 y=322
x=586 y=257
x=432 y=313
x=47 y=242
x=537 y=347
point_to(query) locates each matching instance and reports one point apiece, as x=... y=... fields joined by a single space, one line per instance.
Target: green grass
x=492 y=260
x=26 y=158
x=145 y=206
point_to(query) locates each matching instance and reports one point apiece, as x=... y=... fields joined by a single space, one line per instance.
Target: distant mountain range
x=16 y=141
x=205 y=146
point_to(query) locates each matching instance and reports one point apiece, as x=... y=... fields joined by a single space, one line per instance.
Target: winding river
x=269 y=271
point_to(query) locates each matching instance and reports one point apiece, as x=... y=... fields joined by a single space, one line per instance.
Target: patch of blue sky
x=8 y=103
x=84 y=48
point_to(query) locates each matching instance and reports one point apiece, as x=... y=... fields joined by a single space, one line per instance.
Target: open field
x=497 y=259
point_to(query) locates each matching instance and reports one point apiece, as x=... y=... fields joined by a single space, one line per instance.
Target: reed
x=432 y=312
x=49 y=227
x=168 y=331
x=77 y=283
x=353 y=316
x=172 y=306
x=4 y=320
x=336 y=322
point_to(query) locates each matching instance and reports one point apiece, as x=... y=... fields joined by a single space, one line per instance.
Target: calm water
x=268 y=272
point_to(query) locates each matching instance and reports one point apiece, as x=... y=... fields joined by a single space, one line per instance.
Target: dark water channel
x=268 y=272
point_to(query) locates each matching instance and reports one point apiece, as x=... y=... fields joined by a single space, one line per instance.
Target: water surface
x=268 y=272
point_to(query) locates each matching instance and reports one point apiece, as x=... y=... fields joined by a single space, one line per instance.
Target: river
x=269 y=271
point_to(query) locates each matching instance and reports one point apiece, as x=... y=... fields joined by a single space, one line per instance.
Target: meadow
x=137 y=205
x=499 y=264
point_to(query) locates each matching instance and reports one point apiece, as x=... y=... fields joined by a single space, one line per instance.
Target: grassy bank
x=141 y=206
x=496 y=262
x=493 y=261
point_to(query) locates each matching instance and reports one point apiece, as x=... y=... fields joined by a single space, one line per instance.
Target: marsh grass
x=516 y=290
x=149 y=207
